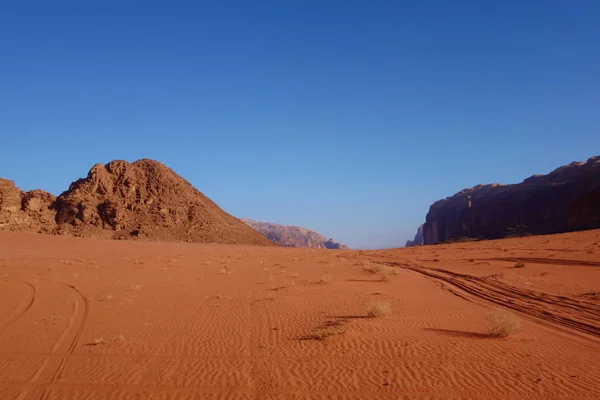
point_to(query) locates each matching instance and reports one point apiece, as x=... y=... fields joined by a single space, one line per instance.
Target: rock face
x=25 y=211
x=293 y=236
x=567 y=199
x=418 y=240
x=121 y=200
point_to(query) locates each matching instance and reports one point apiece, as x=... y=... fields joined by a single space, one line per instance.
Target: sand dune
x=96 y=319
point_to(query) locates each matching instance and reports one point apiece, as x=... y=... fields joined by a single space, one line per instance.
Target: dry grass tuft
x=502 y=323
x=328 y=329
x=384 y=271
x=519 y=265
x=96 y=342
x=100 y=340
x=226 y=270
x=135 y=287
x=377 y=309
x=118 y=338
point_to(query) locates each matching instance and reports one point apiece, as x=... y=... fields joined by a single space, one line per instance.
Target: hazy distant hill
x=293 y=236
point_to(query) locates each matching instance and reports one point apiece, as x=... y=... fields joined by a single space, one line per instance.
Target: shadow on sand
x=449 y=332
x=347 y=316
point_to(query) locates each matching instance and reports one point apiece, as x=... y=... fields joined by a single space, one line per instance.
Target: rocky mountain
x=121 y=200
x=26 y=211
x=418 y=240
x=567 y=199
x=293 y=236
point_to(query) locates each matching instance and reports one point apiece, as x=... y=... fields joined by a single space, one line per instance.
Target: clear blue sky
x=347 y=117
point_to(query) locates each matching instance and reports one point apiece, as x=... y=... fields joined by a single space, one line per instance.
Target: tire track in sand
x=52 y=368
x=21 y=309
x=566 y=312
x=549 y=261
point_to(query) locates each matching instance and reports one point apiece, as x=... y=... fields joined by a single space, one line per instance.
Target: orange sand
x=95 y=319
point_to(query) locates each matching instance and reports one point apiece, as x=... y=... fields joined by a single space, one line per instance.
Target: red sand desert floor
x=96 y=319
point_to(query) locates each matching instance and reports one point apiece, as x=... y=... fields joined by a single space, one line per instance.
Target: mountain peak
x=122 y=200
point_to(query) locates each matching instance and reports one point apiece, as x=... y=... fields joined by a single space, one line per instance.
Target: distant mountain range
x=293 y=236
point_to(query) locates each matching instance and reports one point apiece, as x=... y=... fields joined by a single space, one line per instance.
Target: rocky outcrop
x=293 y=236
x=418 y=240
x=121 y=200
x=567 y=199
x=25 y=211
x=330 y=244
x=145 y=199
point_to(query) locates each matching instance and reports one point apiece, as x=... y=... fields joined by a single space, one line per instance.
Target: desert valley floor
x=99 y=319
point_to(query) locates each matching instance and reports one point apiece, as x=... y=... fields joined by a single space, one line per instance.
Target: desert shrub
x=377 y=309
x=502 y=323
x=379 y=269
x=328 y=329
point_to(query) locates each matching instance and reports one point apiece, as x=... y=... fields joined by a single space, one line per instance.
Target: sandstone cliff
x=567 y=199
x=293 y=236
